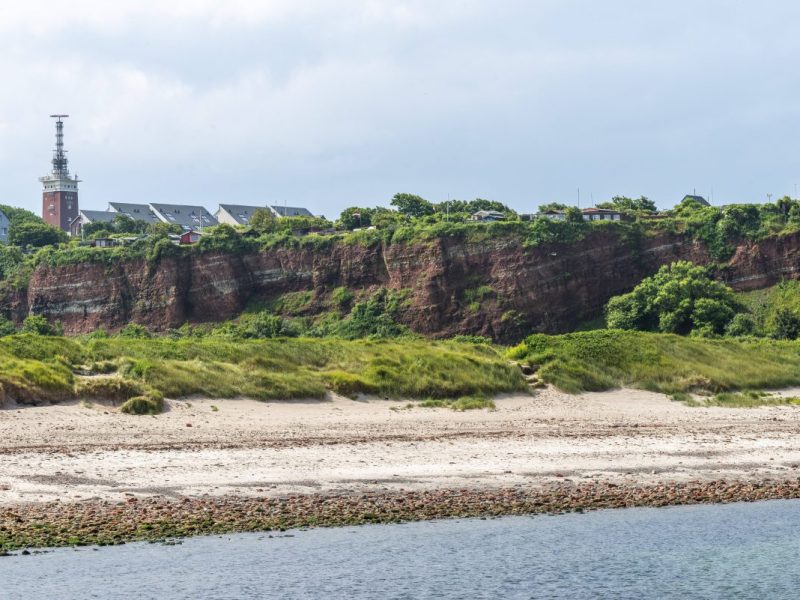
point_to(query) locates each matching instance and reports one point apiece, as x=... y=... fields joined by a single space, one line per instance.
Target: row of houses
x=188 y=217
x=589 y=214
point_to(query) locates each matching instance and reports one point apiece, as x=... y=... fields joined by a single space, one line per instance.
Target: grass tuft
x=460 y=404
x=150 y=404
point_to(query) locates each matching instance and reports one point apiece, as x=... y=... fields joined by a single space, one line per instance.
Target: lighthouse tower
x=59 y=190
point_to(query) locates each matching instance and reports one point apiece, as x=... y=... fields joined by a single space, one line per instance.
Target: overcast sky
x=329 y=104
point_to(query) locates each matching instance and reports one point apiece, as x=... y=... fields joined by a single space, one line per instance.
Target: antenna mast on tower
x=60 y=162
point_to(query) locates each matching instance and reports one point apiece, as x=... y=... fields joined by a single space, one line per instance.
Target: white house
x=487 y=216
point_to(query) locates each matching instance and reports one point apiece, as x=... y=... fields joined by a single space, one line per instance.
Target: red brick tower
x=59 y=190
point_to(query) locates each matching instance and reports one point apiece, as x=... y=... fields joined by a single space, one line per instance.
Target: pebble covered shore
x=102 y=523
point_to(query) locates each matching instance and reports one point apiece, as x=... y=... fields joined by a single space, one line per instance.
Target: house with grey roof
x=237 y=214
x=291 y=211
x=89 y=216
x=240 y=214
x=137 y=212
x=187 y=216
x=4 y=225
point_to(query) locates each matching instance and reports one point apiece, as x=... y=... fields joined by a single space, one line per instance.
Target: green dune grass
x=671 y=364
x=40 y=369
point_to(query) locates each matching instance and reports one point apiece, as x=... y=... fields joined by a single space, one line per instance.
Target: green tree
x=125 y=224
x=301 y=223
x=384 y=218
x=355 y=216
x=680 y=298
x=794 y=214
x=36 y=234
x=483 y=204
x=11 y=259
x=412 y=205
x=784 y=205
x=17 y=220
x=38 y=325
x=472 y=206
x=739 y=221
x=573 y=214
x=543 y=208
x=19 y=215
x=160 y=229
x=97 y=229
x=623 y=203
x=263 y=220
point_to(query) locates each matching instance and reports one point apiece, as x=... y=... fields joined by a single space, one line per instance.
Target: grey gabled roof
x=97 y=216
x=292 y=211
x=696 y=198
x=185 y=215
x=138 y=212
x=240 y=212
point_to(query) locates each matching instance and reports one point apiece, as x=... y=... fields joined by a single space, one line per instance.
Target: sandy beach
x=243 y=448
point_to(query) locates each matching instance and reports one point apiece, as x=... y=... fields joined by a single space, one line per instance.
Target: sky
x=335 y=103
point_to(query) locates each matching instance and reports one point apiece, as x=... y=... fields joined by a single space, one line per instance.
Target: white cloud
x=47 y=16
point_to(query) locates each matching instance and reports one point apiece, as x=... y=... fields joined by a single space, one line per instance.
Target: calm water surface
x=733 y=551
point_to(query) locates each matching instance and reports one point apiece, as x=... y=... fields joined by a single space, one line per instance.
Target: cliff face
x=762 y=264
x=495 y=288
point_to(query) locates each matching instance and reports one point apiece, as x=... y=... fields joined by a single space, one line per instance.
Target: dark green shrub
x=265 y=325
x=741 y=325
x=472 y=339
x=786 y=325
x=224 y=238
x=99 y=333
x=679 y=298
x=134 y=330
x=6 y=327
x=39 y=325
x=161 y=247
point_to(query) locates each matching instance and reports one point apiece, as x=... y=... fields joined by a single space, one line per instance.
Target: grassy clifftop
x=38 y=368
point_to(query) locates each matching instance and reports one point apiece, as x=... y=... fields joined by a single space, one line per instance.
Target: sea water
x=709 y=551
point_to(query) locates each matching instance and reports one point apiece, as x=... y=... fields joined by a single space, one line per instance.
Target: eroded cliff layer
x=496 y=288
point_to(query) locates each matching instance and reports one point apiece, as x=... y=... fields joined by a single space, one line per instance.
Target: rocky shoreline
x=152 y=519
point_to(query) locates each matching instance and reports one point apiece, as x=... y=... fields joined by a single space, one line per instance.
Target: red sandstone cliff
x=547 y=288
